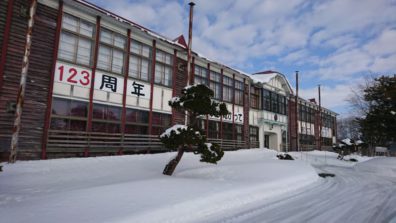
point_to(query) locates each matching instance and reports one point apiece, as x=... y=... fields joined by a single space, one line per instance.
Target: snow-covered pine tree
x=196 y=100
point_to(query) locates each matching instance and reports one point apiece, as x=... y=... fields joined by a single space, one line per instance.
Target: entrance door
x=266 y=141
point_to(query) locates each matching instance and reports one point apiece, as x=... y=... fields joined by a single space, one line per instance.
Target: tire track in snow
x=352 y=196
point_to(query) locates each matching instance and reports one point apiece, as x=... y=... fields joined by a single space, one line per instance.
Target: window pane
x=159 y=73
x=61 y=107
x=113 y=113
x=118 y=61
x=59 y=124
x=146 y=51
x=119 y=41
x=70 y=22
x=145 y=70
x=133 y=66
x=67 y=46
x=168 y=76
x=131 y=115
x=84 y=51
x=106 y=36
x=99 y=111
x=104 y=58
x=78 y=108
x=86 y=28
x=98 y=127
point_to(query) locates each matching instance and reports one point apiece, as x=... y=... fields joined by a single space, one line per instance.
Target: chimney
x=313 y=100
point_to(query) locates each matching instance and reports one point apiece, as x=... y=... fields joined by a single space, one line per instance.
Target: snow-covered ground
x=246 y=186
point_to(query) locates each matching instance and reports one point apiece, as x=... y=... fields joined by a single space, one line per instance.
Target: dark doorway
x=266 y=141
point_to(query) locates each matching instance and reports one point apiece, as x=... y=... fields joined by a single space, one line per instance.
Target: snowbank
x=132 y=188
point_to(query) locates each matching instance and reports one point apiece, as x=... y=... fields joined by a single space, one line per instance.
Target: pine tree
x=379 y=124
x=197 y=101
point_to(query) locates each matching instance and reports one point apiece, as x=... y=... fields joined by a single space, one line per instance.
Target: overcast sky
x=334 y=43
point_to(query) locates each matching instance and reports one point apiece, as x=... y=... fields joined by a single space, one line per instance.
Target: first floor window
x=69 y=115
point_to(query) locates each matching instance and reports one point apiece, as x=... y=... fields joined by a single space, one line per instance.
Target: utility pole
x=296 y=114
x=189 y=46
x=22 y=84
x=320 y=120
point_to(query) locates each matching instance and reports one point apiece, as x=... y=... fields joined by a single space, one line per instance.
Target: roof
x=267 y=76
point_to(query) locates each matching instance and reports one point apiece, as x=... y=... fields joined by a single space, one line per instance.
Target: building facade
x=99 y=84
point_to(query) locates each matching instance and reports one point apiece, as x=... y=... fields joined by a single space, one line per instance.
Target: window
x=215 y=84
x=163 y=68
x=274 y=102
x=136 y=121
x=255 y=97
x=201 y=75
x=239 y=86
x=76 y=40
x=106 y=118
x=228 y=86
x=267 y=100
x=68 y=115
x=111 y=51
x=214 y=130
x=161 y=122
x=239 y=132
x=282 y=104
x=254 y=135
x=227 y=131
x=140 y=61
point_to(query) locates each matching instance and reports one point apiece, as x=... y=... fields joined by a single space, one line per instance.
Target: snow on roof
x=263 y=78
x=123 y=20
x=358 y=142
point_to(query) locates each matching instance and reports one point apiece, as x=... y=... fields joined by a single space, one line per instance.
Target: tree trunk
x=171 y=166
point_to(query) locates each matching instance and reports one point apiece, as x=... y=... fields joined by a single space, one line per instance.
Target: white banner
x=73 y=75
x=238 y=118
x=138 y=89
x=109 y=82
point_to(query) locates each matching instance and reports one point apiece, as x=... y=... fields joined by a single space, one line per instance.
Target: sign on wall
x=79 y=76
x=109 y=83
x=73 y=75
x=238 y=117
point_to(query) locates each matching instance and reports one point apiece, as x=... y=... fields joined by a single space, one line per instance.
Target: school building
x=99 y=84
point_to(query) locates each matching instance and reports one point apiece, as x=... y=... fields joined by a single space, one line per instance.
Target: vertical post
x=296 y=114
x=174 y=76
x=5 y=41
x=222 y=98
x=22 y=84
x=51 y=83
x=152 y=87
x=189 y=46
x=124 y=94
x=233 y=107
x=320 y=120
x=91 y=92
x=207 y=116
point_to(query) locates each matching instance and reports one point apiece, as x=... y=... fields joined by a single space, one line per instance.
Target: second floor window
x=76 y=40
x=239 y=86
x=163 y=68
x=140 y=61
x=201 y=75
x=228 y=92
x=111 y=51
x=215 y=84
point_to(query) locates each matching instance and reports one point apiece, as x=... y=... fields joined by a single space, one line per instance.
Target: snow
x=133 y=189
x=174 y=128
x=263 y=78
x=245 y=186
x=347 y=141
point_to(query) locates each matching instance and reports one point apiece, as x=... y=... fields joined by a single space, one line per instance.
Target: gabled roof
x=267 y=76
x=181 y=40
